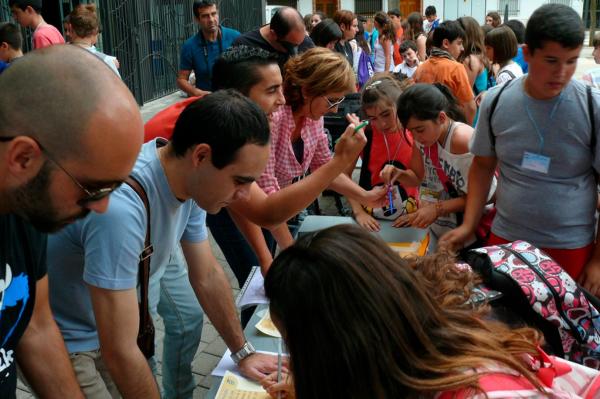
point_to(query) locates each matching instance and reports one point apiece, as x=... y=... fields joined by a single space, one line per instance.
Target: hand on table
x=285 y=387
x=454 y=240
x=259 y=365
x=367 y=221
x=422 y=218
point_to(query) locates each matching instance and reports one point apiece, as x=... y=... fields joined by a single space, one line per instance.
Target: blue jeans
x=172 y=297
x=232 y=242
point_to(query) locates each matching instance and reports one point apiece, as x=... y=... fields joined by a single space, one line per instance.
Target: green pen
x=362 y=124
x=357 y=128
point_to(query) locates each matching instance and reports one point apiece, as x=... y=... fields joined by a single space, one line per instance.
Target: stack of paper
x=235 y=387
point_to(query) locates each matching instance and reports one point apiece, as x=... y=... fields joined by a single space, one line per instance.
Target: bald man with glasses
x=57 y=164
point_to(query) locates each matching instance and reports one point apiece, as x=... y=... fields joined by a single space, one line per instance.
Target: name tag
x=535 y=162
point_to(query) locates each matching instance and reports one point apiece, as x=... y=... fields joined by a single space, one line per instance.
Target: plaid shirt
x=283 y=167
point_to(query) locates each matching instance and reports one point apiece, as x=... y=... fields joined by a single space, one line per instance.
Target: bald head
x=54 y=94
x=285 y=20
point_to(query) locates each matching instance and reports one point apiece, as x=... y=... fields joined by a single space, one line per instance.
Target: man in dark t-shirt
x=57 y=163
x=285 y=35
x=22 y=265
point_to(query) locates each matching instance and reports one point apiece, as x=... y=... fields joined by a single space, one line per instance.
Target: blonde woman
x=315 y=84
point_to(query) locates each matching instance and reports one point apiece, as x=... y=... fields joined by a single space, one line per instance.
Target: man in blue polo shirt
x=200 y=51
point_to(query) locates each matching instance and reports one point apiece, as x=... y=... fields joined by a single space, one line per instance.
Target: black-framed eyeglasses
x=92 y=195
x=332 y=103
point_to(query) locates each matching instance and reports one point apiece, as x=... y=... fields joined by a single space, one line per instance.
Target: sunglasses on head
x=334 y=102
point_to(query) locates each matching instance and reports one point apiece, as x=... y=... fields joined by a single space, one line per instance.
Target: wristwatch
x=243 y=353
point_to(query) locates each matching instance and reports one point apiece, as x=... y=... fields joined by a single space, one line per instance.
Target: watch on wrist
x=243 y=353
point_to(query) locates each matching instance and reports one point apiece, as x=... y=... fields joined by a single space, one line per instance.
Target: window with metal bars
x=367 y=7
x=563 y=2
x=514 y=7
x=289 y=3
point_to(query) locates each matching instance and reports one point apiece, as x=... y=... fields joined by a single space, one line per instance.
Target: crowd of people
x=476 y=133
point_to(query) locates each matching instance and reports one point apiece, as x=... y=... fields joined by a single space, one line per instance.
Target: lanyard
x=539 y=131
x=387 y=148
x=205 y=50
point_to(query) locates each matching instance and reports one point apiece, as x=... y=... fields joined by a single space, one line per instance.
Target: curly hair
x=318 y=71
x=374 y=325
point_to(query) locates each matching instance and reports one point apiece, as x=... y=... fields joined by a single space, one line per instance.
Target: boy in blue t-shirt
x=11 y=42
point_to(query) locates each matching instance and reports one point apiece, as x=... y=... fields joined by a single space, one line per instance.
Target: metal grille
x=289 y=3
x=146 y=36
x=367 y=8
x=586 y=13
x=242 y=15
x=563 y=2
x=513 y=7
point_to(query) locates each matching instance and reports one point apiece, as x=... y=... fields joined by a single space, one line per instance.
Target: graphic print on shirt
x=14 y=296
x=403 y=203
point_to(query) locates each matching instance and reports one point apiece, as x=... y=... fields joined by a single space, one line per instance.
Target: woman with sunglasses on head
x=315 y=84
x=386 y=145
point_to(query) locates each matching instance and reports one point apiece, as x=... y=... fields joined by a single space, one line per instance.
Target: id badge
x=535 y=162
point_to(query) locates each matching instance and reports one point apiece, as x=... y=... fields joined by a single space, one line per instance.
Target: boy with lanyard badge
x=545 y=151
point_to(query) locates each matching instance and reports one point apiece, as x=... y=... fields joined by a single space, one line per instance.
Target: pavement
x=212 y=347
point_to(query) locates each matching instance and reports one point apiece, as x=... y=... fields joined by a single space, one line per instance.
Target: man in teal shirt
x=200 y=51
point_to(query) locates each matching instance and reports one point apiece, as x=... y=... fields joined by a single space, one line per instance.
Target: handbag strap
x=144 y=265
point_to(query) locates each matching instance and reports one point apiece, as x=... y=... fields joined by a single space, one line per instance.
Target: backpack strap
x=590 y=101
x=491 y=113
x=146 y=328
x=507 y=71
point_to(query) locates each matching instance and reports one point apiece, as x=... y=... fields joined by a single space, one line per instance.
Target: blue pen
x=391 y=200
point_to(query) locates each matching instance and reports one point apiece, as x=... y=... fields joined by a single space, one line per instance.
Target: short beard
x=33 y=202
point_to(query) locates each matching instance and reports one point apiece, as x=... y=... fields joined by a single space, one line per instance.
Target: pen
x=279 y=365
x=362 y=124
x=357 y=128
x=391 y=200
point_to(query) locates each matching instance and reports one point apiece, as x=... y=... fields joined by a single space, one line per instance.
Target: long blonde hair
x=319 y=71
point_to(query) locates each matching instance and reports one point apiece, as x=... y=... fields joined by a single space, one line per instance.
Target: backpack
x=364 y=70
x=538 y=292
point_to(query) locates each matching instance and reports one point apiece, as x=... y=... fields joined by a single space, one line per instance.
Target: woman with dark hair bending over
x=361 y=322
x=435 y=120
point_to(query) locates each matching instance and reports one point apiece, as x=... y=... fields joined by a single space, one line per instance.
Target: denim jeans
x=172 y=297
x=238 y=253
